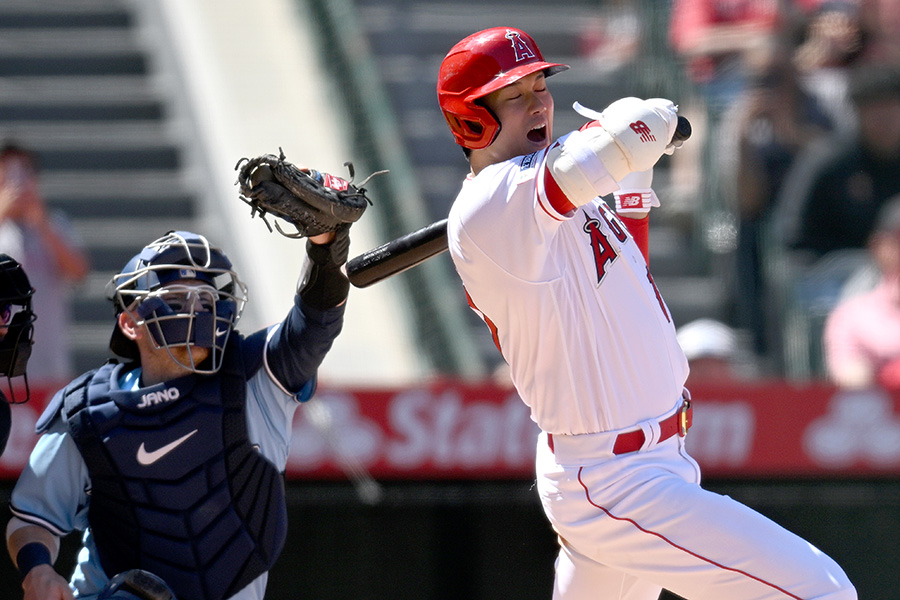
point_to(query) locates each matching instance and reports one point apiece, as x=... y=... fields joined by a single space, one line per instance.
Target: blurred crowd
x=798 y=106
x=44 y=241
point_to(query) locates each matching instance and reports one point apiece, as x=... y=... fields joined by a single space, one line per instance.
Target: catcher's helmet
x=478 y=65
x=16 y=320
x=186 y=293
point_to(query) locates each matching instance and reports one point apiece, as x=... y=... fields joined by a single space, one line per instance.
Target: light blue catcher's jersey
x=52 y=489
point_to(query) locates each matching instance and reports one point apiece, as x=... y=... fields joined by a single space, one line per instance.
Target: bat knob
x=683 y=130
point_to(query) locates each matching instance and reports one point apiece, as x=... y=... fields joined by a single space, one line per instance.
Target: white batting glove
x=642 y=129
x=667 y=107
x=635 y=198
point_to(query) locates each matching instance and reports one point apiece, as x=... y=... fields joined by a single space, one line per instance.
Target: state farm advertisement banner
x=451 y=430
x=440 y=431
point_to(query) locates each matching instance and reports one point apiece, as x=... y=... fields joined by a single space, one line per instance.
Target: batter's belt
x=592 y=445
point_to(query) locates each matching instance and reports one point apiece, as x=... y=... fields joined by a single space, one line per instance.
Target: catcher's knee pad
x=136 y=584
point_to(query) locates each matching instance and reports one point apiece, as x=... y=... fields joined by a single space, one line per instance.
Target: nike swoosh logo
x=148 y=458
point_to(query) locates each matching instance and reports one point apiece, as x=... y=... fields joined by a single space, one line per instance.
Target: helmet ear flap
x=474 y=130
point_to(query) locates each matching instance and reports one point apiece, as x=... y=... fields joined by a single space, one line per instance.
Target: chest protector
x=177 y=487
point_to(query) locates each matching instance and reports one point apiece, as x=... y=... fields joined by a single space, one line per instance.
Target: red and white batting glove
x=635 y=198
x=642 y=129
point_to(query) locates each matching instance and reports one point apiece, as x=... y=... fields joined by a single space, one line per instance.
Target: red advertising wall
x=450 y=430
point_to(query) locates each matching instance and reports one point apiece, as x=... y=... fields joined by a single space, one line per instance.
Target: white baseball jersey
x=565 y=292
x=592 y=350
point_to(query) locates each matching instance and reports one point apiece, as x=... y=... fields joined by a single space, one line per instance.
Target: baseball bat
x=416 y=247
x=398 y=255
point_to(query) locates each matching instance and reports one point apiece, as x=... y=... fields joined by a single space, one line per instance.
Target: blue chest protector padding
x=177 y=489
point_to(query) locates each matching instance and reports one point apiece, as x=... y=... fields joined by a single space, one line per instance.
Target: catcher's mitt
x=311 y=201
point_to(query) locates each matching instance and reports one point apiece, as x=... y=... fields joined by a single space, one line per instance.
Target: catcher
x=170 y=457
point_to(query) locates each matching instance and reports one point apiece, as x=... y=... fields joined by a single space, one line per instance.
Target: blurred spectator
x=47 y=249
x=862 y=334
x=832 y=197
x=712 y=350
x=719 y=39
x=882 y=19
x=832 y=42
x=721 y=42
x=763 y=132
x=610 y=40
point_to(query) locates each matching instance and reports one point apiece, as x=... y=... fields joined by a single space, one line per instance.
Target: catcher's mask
x=16 y=323
x=480 y=64
x=186 y=293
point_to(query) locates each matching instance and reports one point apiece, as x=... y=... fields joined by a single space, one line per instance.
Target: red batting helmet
x=478 y=65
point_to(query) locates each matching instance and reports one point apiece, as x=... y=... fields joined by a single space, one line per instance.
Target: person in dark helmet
x=170 y=458
x=16 y=337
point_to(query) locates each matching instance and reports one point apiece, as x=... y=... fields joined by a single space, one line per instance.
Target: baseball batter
x=563 y=283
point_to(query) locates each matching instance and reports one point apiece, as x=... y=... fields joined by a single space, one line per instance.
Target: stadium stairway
x=78 y=89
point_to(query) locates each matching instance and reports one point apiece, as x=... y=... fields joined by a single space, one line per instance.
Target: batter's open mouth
x=538 y=134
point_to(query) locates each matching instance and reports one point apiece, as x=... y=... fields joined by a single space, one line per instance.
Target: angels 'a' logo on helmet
x=521 y=49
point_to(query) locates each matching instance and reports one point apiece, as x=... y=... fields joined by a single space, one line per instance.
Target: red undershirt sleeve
x=640 y=231
x=558 y=200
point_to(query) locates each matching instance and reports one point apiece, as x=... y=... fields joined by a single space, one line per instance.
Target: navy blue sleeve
x=299 y=346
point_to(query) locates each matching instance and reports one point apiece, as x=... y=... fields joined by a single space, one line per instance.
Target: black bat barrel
x=398 y=255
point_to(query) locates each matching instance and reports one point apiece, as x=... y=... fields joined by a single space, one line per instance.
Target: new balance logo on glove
x=640 y=128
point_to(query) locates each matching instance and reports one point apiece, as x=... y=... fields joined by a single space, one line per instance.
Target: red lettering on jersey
x=612 y=219
x=604 y=253
x=640 y=128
